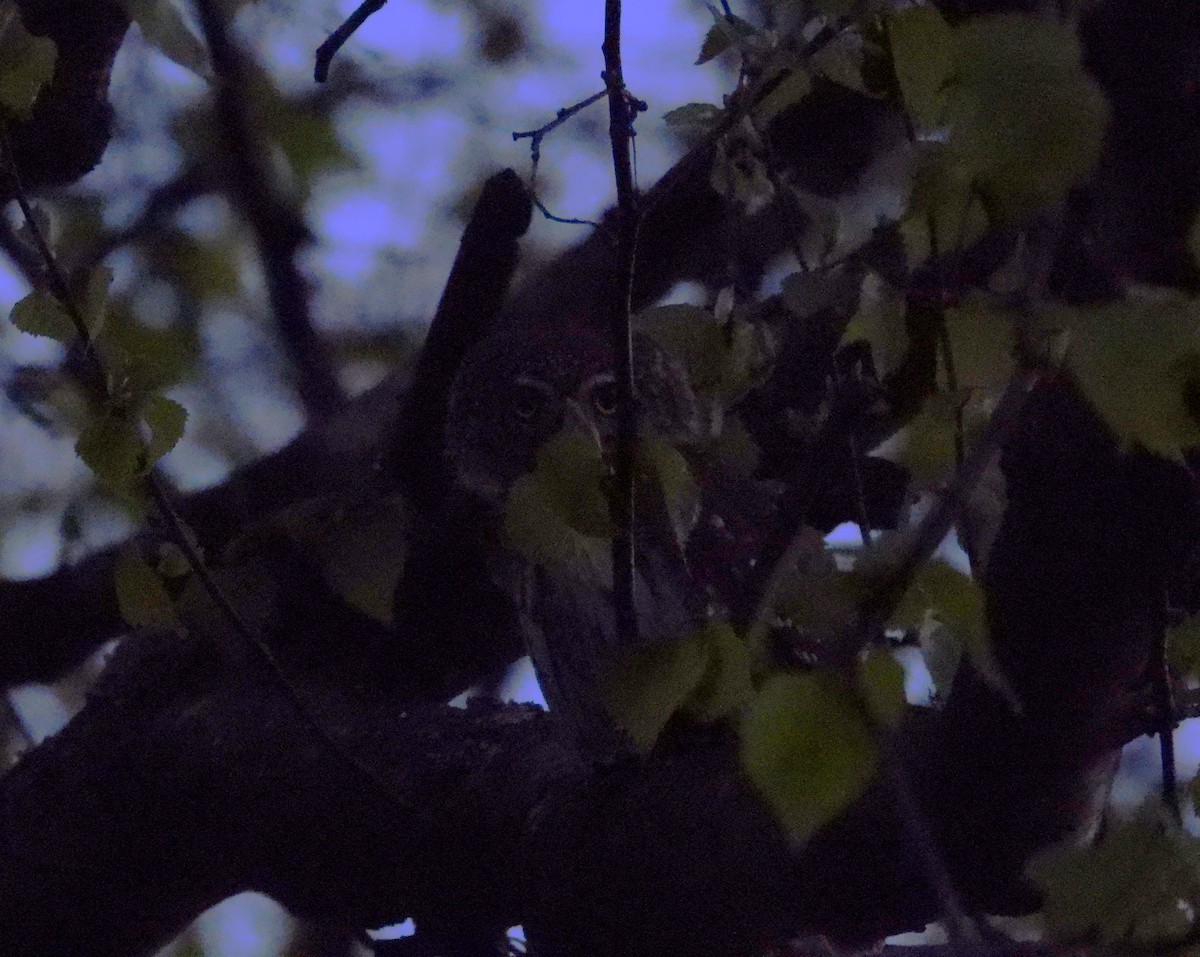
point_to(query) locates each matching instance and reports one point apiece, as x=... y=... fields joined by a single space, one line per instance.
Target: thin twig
x=1167 y=718
x=535 y=138
x=960 y=926
x=563 y=220
x=327 y=50
x=621 y=111
x=278 y=229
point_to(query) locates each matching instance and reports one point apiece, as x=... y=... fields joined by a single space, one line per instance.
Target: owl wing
x=569 y=623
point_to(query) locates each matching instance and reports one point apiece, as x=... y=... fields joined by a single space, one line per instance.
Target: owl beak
x=577 y=420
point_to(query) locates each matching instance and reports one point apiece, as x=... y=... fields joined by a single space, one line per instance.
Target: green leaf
x=165 y=29
x=111 y=447
x=723 y=359
x=166 y=419
x=145 y=360
x=26 y=63
x=807 y=749
x=928 y=448
x=880 y=680
x=727 y=33
x=671 y=486
x=94 y=307
x=1183 y=647
x=1027 y=121
x=945 y=204
x=727 y=685
x=818 y=597
x=1136 y=361
x=982 y=343
x=141 y=596
x=734 y=448
x=692 y=120
x=841 y=61
x=879 y=321
x=1137 y=885
x=706 y=674
x=787 y=92
x=947 y=607
x=172 y=562
x=557 y=515
x=922 y=55
x=40 y=314
x=644 y=691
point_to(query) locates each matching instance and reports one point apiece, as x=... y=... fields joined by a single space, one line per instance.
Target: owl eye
x=527 y=401
x=604 y=398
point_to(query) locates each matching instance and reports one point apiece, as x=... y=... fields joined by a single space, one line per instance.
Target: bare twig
x=278 y=229
x=327 y=50
x=960 y=926
x=1167 y=718
x=535 y=138
x=621 y=110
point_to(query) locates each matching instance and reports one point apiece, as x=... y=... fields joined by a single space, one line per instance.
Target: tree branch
x=278 y=228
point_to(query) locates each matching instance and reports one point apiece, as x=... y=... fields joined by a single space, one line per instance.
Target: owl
x=516 y=391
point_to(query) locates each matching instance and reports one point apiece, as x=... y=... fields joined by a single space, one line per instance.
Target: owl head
x=518 y=389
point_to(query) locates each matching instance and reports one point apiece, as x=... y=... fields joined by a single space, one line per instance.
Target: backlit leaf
x=40 y=314
x=879 y=321
x=706 y=674
x=1183 y=648
x=880 y=680
x=26 y=63
x=1135 y=360
x=111 y=447
x=981 y=342
x=557 y=515
x=1139 y=884
x=927 y=441
x=726 y=33
x=922 y=53
x=165 y=29
x=807 y=749
x=723 y=359
x=789 y=91
x=671 y=486
x=945 y=606
x=727 y=684
x=166 y=419
x=692 y=121
x=141 y=597
x=1026 y=119
x=94 y=306
x=644 y=691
